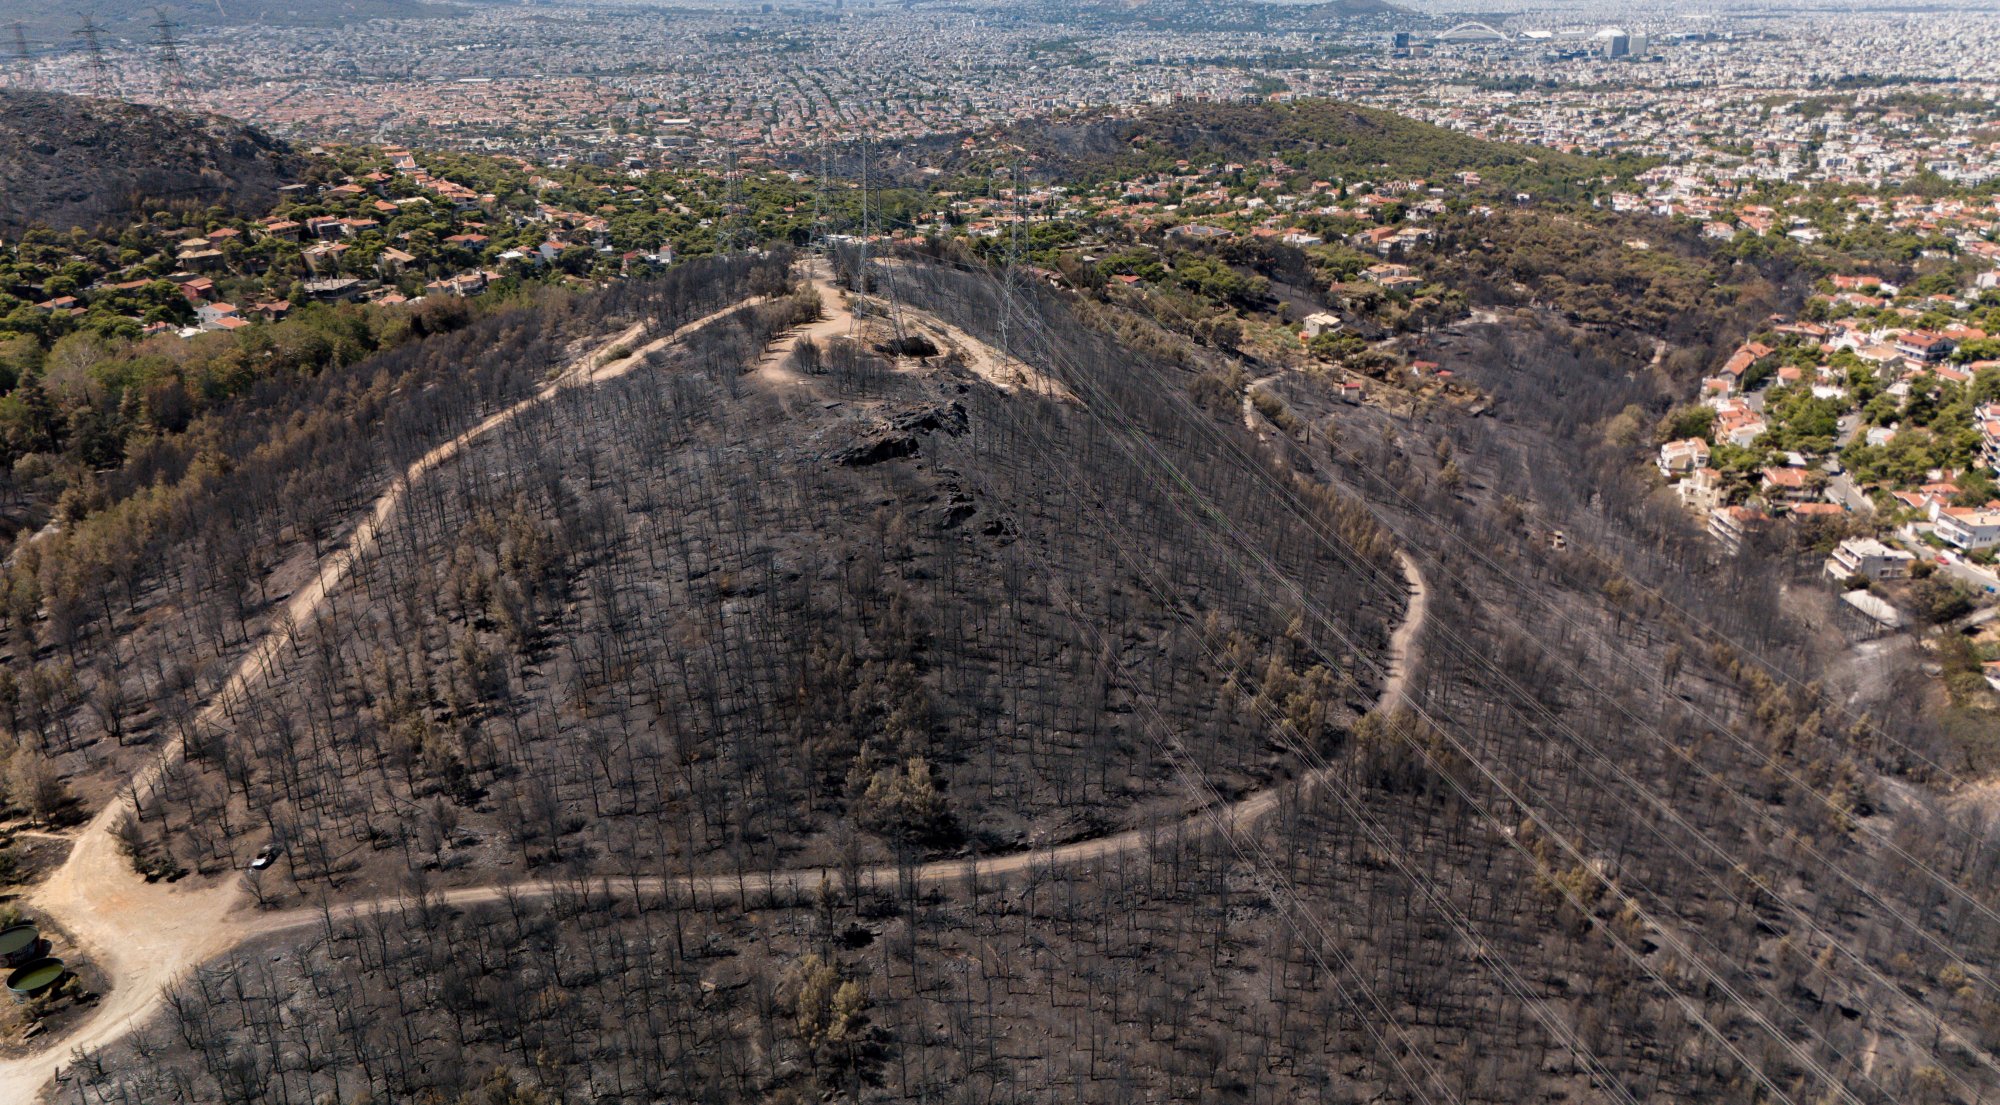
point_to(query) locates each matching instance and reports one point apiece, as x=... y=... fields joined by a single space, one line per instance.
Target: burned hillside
x=692 y=620
x=820 y=656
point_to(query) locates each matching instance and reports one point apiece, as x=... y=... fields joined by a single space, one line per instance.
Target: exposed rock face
x=899 y=435
x=69 y=161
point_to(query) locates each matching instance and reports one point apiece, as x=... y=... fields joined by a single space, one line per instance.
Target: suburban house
x=1744 y=430
x=220 y=316
x=325 y=257
x=392 y=261
x=338 y=288
x=1785 y=485
x=1683 y=456
x=1868 y=558
x=1701 y=491
x=1740 y=361
x=1987 y=418
x=1321 y=322
x=1732 y=523
x=1924 y=346
x=1966 y=527
x=470 y=283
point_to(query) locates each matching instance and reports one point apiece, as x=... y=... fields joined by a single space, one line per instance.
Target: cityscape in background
x=938 y=552
x=1726 y=91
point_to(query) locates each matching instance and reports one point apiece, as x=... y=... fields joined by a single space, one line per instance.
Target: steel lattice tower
x=97 y=70
x=167 y=50
x=24 y=62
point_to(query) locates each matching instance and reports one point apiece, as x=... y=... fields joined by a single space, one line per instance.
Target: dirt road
x=799 y=884
x=144 y=936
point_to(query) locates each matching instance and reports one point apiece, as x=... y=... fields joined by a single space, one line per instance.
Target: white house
x=1867 y=557
x=1683 y=456
x=218 y=316
x=1966 y=527
x=1322 y=322
x=1701 y=491
x=1746 y=432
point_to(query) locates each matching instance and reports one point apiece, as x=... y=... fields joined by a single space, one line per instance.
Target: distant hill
x=1328 y=139
x=68 y=161
x=54 y=26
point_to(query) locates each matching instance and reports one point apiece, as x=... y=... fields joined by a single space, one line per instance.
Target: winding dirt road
x=800 y=883
x=145 y=936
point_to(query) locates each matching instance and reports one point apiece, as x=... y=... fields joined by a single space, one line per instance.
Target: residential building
x=1967 y=528
x=1785 y=485
x=1701 y=491
x=1868 y=558
x=1322 y=322
x=1730 y=525
x=1924 y=346
x=1677 y=457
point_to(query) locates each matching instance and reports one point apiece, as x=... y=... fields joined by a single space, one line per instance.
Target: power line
x=1512 y=794
x=24 y=62
x=1557 y=724
x=861 y=271
x=98 y=77
x=1205 y=508
x=816 y=244
x=730 y=205
x=1007 y=278
x=1806 y=920
x=862 y=282
x=172 y=70
x=1950 y=886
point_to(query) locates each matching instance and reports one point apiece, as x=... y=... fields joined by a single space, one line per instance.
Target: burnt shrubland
x=711 y=618
x=687 y=620
x=121 y=624
x=1643 y=709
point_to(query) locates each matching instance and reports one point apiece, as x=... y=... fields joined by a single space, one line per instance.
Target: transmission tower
x=862 y=281
x=24 y=62
x=167 y=51
x=861 y=272
x=97 y=70
x=817 y=245
x=1011 y=259
x=734 y=224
